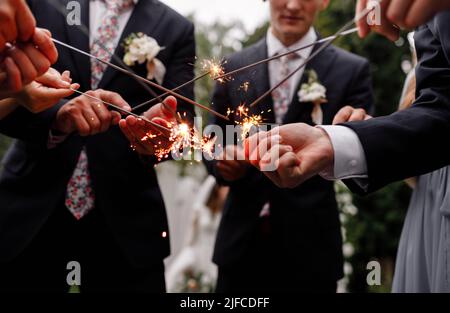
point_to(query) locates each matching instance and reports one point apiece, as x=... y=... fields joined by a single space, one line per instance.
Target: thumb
x=169 y=107
x=52 y=80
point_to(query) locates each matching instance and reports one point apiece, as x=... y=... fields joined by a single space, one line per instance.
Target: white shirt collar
x=275 y=46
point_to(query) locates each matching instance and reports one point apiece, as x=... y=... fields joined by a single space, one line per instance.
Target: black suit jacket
x=33 y=182
x=304 y=220
x=414 y=141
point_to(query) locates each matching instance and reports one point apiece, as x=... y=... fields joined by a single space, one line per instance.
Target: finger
x=363 y=27
x=343 y=115
x=288 y=174
x=386 y=28
x=7 y=18
x=53 y=94
x=397 y=11
x=419 y=13
x=13 y=74
x=251 y=143
x=66 y=77
x=137 y=126
x=263 y=147
x=45 y=45
x=27 y=70
x=3 y=77
x=40 y=62
x=2 y=43
x=357 y=115
x=91 y=118
x=113 y=98
x=128 y=128
x=26 y=22
x=274 y=154
x=81 y=124
x=51 y=80
x=103 y=114
x=166 y=110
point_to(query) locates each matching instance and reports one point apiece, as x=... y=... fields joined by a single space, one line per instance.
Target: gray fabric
x=423 y=258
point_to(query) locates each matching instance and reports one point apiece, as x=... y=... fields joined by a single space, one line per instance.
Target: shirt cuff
x=349 y=157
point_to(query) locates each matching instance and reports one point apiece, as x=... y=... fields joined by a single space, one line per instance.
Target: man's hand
x=22 y=63
x=297 y=152
x=16 y=22
x=232 y=164
x=350 y=114
x=137 y=129
x=46 y=91
x=88 y=116
x=400 y=13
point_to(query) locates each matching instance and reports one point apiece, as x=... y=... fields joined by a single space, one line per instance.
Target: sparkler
x=278 y=56
x=123 y=111
x=210 y=67
x=149 y=82
x=182 y=138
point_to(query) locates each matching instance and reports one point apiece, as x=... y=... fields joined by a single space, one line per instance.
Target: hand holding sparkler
x=145 y=138
x=398 y=13
x=89 y=116
x=297 y=152
x=22 y=63
x=41 y=94
x=46 y=91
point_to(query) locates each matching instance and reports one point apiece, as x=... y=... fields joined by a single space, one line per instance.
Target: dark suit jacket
x=304 y=220
x=414 y=141
x=33 y=182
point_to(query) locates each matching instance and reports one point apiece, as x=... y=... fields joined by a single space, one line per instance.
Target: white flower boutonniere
x=141 y=48
x=314 y=92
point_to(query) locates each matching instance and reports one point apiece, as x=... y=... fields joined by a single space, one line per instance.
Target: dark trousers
x=265 y=269
x=41 y=267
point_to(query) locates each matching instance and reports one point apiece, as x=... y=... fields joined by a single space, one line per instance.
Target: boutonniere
x=314 y=92
x=141 y=48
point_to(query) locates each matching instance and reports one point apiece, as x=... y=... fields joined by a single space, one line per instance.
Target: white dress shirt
x=97 y=10
x=349 y=156
x=274 y=46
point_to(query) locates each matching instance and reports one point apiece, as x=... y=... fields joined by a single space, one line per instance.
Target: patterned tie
x=105 y=35
x=281 y=96
x=80 y=196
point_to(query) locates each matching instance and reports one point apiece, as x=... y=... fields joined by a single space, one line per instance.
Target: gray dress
x=423 y=258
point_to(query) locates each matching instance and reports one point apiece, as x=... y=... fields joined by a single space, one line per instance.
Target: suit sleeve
x=360 y=93
x=414 y=141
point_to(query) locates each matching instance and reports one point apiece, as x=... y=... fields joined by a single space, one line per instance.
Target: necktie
x=80 y=196
x=282 y=95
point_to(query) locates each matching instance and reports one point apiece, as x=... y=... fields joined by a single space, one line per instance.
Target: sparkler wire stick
x=120 y=69
x=137 y=107
x=345 y=28
x=345 y=33
x=121 y=110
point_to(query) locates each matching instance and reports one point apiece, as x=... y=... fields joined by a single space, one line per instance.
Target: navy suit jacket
x=33 y=182
x=414 y=141
x=304 y=220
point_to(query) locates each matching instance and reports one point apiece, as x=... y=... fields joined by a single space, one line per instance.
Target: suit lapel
x=321 y=65
x=261 y=84
x=78 y=39
x=145 y=17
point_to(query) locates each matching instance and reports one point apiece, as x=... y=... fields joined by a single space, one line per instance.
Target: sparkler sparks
x=245 y=120
x=182 y=138
x=215 y=70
